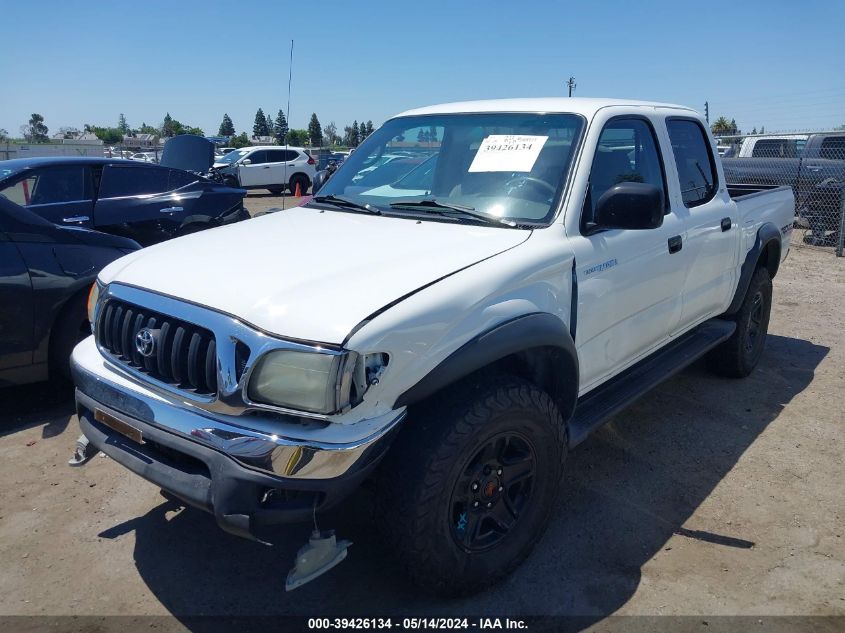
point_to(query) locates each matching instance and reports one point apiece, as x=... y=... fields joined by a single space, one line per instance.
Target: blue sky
x=777 y=64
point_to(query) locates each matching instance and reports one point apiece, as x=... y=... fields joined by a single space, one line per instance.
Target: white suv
x=270 y=167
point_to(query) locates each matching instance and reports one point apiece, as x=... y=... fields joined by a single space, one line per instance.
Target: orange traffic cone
x=298 y=192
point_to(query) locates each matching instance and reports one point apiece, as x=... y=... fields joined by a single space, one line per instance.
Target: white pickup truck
x=525 y=270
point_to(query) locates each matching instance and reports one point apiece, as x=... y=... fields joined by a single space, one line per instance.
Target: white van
x=270 y=167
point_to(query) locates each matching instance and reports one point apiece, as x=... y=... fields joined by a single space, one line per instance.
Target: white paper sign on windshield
x=508 y=152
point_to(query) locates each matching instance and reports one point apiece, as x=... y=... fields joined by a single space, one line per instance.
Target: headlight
x=306 y=381
x=93 y=297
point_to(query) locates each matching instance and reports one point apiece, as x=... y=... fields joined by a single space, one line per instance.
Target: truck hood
x=308 y=274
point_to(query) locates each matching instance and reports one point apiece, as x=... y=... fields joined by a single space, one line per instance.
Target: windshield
x=504 y=165
x=232 y=156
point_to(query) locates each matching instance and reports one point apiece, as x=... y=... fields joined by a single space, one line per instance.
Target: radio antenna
x=290 y=76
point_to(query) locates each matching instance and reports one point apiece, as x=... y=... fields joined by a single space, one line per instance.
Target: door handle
x=726 y=224
x=291 y=164
x=266 y=167
x=171 y=210
x=76 y=218
x=676 y=243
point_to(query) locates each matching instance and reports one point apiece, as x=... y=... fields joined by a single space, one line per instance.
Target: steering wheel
x=542 y=190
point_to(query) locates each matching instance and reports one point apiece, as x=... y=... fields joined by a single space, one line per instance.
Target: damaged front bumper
x=246 y=478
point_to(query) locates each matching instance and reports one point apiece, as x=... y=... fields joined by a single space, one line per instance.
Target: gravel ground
x=707 y=497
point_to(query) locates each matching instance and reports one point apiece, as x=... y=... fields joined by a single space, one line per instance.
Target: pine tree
x=122 y=125
x=167 y=126
x=356 y=134
x=369 y=127
x=269 y=120
x=432 y=134
x=280 y=128
x=227 y=128
x=315 y=130
x=260 y=127
x=421 y=136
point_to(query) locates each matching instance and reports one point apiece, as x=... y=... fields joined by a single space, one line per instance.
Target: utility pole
x=571 y=84
x=707 y=112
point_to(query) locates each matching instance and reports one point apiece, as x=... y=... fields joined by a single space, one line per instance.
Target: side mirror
x=630 y=205
x=320 y=179
x=246 y=161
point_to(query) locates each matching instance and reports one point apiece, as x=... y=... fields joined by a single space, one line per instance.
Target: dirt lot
x=707 y=497
x=260 y=200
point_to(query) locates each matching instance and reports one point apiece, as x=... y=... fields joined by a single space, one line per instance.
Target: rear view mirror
x=630 y=205
x=246 y=161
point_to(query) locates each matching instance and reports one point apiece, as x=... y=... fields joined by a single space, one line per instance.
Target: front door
x=628 y=281
x=257 y=172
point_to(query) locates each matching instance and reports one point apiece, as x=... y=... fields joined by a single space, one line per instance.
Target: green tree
x=122 y=125
x=196 y=131
x=239 y=141
x=227 y=128
x=356 y=134
x=330 y=134
x=315 y=130
x=4 y=135
x=269 y=121
x=297 y=138
x=35 y=131
x=369 y=128
x=148 y=129
x=167 y=127
x=721 y=126
x=260 y=126
x=280 y=128
x=108 y=135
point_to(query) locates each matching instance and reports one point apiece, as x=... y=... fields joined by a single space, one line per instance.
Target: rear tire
x=500 y=442
x=738 y=356
x=71 y=326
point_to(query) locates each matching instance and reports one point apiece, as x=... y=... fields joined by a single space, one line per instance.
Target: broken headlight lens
x=304 y=381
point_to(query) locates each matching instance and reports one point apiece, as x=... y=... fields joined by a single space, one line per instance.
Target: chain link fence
x=812 y=163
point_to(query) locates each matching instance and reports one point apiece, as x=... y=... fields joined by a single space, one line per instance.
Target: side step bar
x=602 y=403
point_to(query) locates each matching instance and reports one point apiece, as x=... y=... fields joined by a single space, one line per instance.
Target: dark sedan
x=145 y=202
x=46 y=272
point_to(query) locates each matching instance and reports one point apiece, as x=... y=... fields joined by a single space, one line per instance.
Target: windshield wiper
x=345 y=203
x=435 y=206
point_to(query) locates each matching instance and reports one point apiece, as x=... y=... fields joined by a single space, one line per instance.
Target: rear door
x=61 y=194
x=278 y=160
x=137 y=201
x=628 y=280
x=256 y=174
x=712 y=228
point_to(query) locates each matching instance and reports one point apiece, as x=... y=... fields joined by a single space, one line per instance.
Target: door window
x=51 y=185
x=276 y=156
x=119 y=181
x=257 y=158
x=694 y=160
x=833 y=148
x=626 y=152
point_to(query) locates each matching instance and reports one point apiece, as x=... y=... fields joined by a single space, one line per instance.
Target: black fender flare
x=534 y=331
x=767 y=234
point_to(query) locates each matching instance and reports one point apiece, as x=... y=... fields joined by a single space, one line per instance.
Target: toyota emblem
x=145 y=342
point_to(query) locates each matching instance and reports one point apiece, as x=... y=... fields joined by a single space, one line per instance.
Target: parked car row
x=63 y=218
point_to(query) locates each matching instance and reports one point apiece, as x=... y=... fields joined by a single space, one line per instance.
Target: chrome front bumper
x=285 y=447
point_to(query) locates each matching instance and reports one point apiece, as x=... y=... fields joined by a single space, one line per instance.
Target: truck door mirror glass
x=246 y=161
x=629 y=205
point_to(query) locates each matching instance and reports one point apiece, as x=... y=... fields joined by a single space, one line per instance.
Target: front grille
x=184 y=355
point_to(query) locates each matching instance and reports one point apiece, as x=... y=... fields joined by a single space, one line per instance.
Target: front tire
x=70 y=328
x=468 y=488
x=738 y=356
